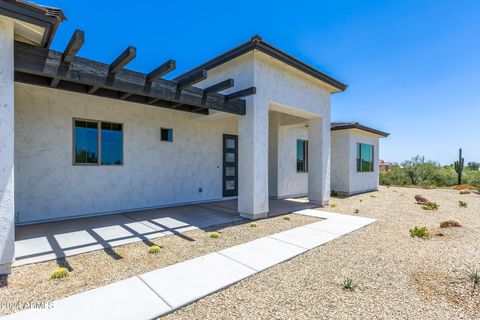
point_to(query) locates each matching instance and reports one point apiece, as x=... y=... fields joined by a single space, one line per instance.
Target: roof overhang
x=34 y=24
x=356 y=125
x=257 y=43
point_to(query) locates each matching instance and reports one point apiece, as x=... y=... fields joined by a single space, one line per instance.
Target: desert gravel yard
x=397 y=276
x=32 y=283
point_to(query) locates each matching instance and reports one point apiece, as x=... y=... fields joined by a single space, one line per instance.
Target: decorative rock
x=475 y=191
x=464 y=191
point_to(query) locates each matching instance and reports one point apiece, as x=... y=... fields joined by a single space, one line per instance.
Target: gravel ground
x=32 y=283
x=398 y=277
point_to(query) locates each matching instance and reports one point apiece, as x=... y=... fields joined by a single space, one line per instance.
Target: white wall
x=345 y=178
x=7 y=203
x=154 y=173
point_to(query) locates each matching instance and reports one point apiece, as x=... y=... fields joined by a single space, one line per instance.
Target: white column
x=7 y=209
x=319 y=160
x=253 y=161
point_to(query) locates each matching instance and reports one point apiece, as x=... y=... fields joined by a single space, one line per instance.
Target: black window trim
x=305 y=155
x=161 y=139
x=359 y=150
x=99 y=143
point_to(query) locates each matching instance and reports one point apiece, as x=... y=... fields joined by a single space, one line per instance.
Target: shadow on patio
x=58 y=240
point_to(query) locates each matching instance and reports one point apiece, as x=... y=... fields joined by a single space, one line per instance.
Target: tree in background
x=413 y=168
x=474 y=166
x=459 y=166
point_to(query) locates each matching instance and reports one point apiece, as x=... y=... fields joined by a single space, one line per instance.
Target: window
x=98 y=142
x=166 y=134
x=364 y=157
x=302 y=156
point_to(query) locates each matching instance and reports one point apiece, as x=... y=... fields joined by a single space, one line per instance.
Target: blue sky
x=413 y=67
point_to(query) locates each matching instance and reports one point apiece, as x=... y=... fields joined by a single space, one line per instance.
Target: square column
x=253 y=161
x=319 y=160
x=7 y=208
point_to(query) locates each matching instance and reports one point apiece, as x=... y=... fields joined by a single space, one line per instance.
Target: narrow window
x=97 y=143
x=365 y=157
x=112 y=143
x=166 y=134
x=302 y=156
x=86 y=142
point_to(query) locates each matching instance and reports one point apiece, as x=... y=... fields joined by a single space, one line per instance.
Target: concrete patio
x=57 y=240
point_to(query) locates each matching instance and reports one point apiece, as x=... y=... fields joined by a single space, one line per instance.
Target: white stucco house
x=80 y=137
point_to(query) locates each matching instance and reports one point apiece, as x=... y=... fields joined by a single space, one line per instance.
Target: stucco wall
x=345 y=178
x=154 y=173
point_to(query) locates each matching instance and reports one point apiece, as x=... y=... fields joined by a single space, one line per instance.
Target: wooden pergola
x=66 y=71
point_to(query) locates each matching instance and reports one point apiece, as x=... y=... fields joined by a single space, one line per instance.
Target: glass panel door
x=230 y=165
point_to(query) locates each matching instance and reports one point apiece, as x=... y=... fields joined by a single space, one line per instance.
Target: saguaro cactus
x=459 y=166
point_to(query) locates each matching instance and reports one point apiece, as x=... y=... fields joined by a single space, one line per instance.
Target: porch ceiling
x=64 y=70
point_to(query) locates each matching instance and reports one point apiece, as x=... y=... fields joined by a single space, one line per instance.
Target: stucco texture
x=155 y=173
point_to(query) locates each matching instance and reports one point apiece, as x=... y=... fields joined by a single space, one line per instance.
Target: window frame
x=305 y=155
x=358 y=157
x=161 y=139
x=99 y=143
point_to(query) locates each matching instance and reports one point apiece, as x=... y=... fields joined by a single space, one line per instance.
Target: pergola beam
x=38 y=65
x=165 y=68
x=219 y=87
x=241 y=94
x=192 y=79
x=128 y=55
x=74 y=45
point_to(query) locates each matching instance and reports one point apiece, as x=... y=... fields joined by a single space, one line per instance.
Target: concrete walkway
x=60 y=239
x=161 y=291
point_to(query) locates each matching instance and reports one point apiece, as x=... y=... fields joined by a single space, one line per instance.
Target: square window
x=166 y=134
x=230 y=143
x=229 y=157
x=230 y=185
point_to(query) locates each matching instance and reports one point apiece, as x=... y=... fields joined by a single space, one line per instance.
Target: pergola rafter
x=66 y=71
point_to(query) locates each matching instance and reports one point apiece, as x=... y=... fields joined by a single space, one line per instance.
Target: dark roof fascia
x=356 y=125
x=256 y=43
x=48 y=18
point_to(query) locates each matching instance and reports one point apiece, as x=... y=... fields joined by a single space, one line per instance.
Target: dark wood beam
x=192 y=79
x=128 y=55
x=219 y=87
x=125 y=96
x=74 y=45
x=40 y=65
x=242 y=93
x=165 y=68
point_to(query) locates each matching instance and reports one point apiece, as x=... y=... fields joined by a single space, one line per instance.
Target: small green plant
x=334 y=193
x=356 y=211
x=421 y=232
x=286 y=218
x=430 y=206
x=348 y=284
x=474 y=276
x=154 y=249
x=59 y=273
x=462 y=204
x=253 y=224
x=373 y=196
x=214 y=234
x=333 y=205
x=361 y=200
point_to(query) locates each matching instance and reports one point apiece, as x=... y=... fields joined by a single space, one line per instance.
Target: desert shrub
x=333 y=205
x=438 y=176
x=253 y=224
x=450 y=223
x=421 y=232
x=154 y=249
x=59 y=273
x=334 y=193
x=395 y=176
x=462 y=204
x=214 y=234
x=286 y=218
x=356 y=211
x=474 y=276
x=430 y=206
x=348 y=284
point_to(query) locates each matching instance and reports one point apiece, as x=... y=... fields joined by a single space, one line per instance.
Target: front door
x=230 y=165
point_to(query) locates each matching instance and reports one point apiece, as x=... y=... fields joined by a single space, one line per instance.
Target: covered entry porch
x=61 y=239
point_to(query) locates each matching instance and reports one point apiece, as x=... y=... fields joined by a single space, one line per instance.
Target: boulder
x=450 y=223
x=475 y=191
x=464 y=191
x=421 y=200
